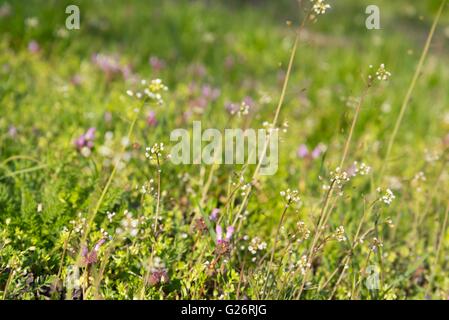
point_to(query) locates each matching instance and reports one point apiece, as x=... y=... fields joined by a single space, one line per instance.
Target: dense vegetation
x=358 y=208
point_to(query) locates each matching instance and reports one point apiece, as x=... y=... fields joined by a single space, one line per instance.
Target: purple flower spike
x=319 y=149
x=151 y=119
x=228 y=236
x=111 y=66
x=229 y=233
x=214 y=214
x=80 y=142
x=231 y=107
x=92 y=256
x=85 y=141
x=156 y=63
x=84 y=251
x=302 y=151
x=157 y=277
x=219 y=232
x=99 y=244
x=210 y=93
x=90 y=134
x=249 y=101
x=316 y=153
x=33 y=47
x=351 y=171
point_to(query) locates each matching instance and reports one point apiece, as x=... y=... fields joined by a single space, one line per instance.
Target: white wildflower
x=303 y=264
x=388 y=196
x=319 y=6
x=382 y=74
x=339 y=234
x=291 y=196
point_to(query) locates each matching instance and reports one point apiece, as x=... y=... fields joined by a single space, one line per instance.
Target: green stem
x=412 y=85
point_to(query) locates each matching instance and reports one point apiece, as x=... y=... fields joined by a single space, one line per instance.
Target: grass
x=106 y=222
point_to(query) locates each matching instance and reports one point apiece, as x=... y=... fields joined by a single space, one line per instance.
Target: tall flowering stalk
x=383 y=74
x=408 y=95
x=155 y=153
x=290 y=197
x=151 y=92
x=340 y=176
x=273 y=124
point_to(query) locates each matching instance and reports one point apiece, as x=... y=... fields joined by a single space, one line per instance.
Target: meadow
x=92 y=207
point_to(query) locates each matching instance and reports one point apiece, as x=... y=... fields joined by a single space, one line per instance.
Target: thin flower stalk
x=410 y=89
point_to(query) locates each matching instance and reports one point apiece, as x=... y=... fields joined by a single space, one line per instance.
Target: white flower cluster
x=129 y=225
x=270 y=128
x=256 y=245
x=110 y=153
x=303 y=265
x=376 y=243
x=285 y=126
x=389 y=222
x=420 y=176
x=105 y=234
x=388 y=196
x=245 y=189
x=303 y=231
x=319 y=6
x=147 y=188
x=361 y=169
x=156 y=264
x=431 y=156
x=291 y=196
x=339 y=234
x=243 y=110
x=418 y=180
x=155 y=150
x=339 y=177
x=110 y=215
x=79 y=224
x=151 y=91
x=382 y=74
